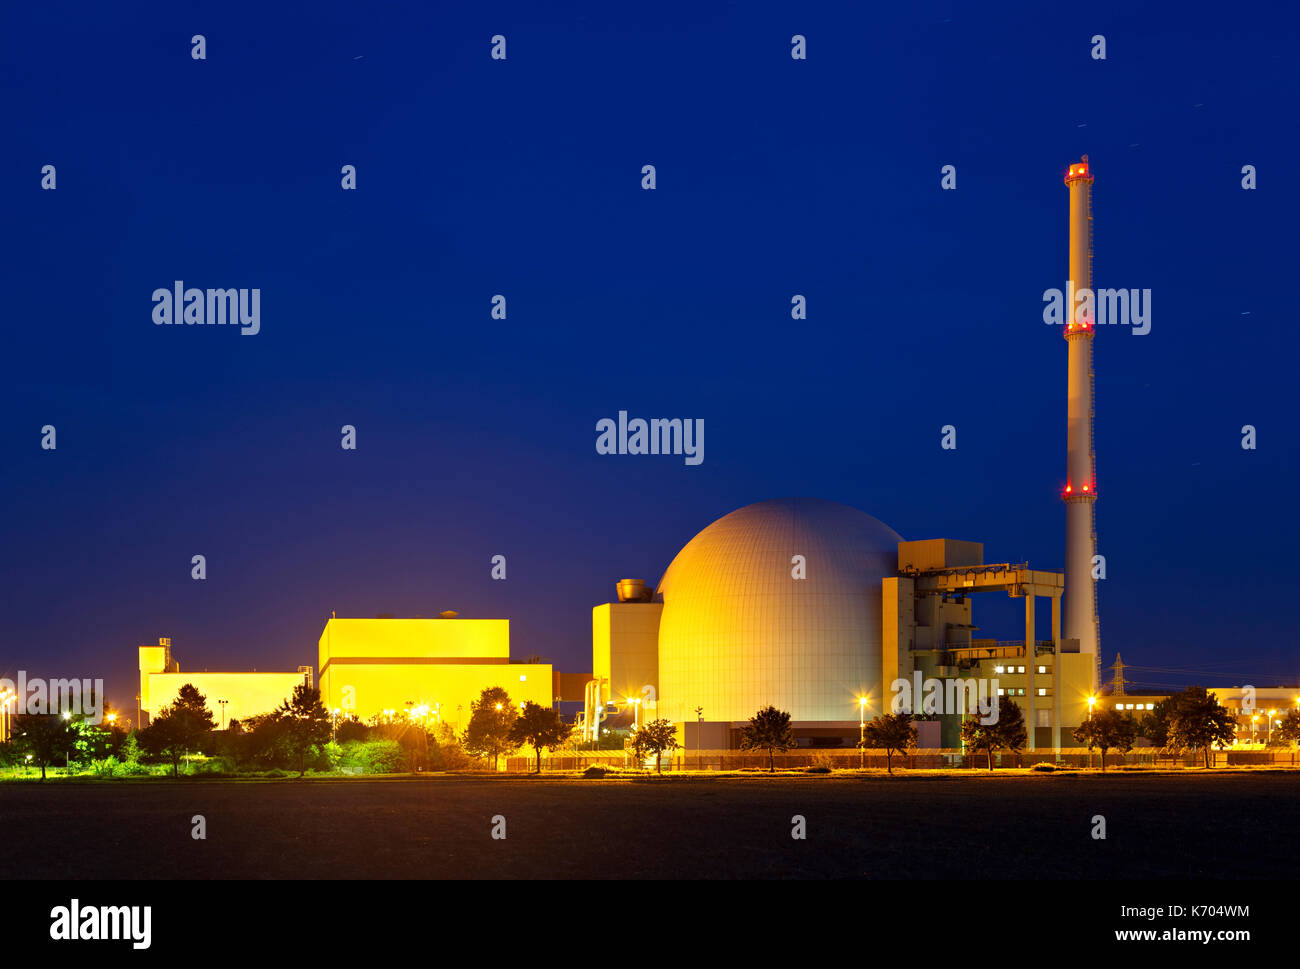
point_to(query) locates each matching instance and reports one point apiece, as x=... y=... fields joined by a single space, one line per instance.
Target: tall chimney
x=1080 y=493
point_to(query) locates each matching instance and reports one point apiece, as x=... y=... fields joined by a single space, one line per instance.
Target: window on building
x=1042 y=669
x=1042 y=691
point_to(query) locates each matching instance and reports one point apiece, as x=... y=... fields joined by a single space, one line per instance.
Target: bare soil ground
x=1189 y=824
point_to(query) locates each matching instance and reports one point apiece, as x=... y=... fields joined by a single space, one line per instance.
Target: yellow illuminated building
x=230 y=696
x=378 y=667
x=828 y=614
x=625 y=650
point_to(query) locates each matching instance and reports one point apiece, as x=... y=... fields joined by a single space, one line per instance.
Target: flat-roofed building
x=230 y=695
x=369 y=667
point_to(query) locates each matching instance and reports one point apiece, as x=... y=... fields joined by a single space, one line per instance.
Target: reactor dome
x=739 y=631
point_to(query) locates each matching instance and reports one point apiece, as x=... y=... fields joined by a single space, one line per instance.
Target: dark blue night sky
x=477 y=436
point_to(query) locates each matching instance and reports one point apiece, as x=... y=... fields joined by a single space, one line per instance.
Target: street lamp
x=6 y=698
x=67 y=751
x=699 y=732
x=862 y=732
x=1092 y=701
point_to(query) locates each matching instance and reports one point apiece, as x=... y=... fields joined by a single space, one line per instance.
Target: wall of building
x=369 y=666
x=625 y=647
x=897 y=640
x=246 y=694
x=446 y=688
x=478 y=640
x=154 y=659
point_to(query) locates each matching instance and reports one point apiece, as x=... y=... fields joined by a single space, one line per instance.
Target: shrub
x=106 y=767
x=351 y=730
x=372 y=757
x=213 y=767
x=594 y=772
x=817 y=769
x=333 y=753
x=453 y=756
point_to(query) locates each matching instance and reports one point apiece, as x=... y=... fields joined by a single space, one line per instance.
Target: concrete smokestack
x=1080 y=493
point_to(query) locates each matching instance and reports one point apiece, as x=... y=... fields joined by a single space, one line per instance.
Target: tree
x=184 y=726
x=350 y=729
x=892 y=733
x=1107 y=730
x=1198 y=720
x=261 y=739
x=491 y=718
x=1006 y=733
x=769 y=730
x=304 y=723
x=1155 y=725
x=654 y=738
x=195 y=705
x=539 y=727
x=1289 y=729
x=43 y=737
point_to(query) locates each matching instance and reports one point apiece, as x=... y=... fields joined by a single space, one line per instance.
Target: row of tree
x=1192 y=720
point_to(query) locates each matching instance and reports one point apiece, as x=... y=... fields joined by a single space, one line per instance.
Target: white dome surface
x=738 y=632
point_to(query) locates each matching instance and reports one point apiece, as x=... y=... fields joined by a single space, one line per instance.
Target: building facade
x=379 y=667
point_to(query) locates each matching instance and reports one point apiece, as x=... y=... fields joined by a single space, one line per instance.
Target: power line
x=1233 y=675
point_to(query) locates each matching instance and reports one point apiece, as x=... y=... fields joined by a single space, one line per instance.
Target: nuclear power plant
x=807 y=605
x=827 y=613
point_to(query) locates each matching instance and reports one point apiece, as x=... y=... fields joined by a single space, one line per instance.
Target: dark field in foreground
x=1011 y=826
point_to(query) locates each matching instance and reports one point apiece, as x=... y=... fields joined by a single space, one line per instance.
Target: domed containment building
x=739 y=631
x=821 y=610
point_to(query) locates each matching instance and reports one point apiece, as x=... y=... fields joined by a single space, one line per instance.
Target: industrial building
x=1256 y=710
x=231 y=696
x=827 y=613
x=804 y=604
x=820 y=610
x=375 y=667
